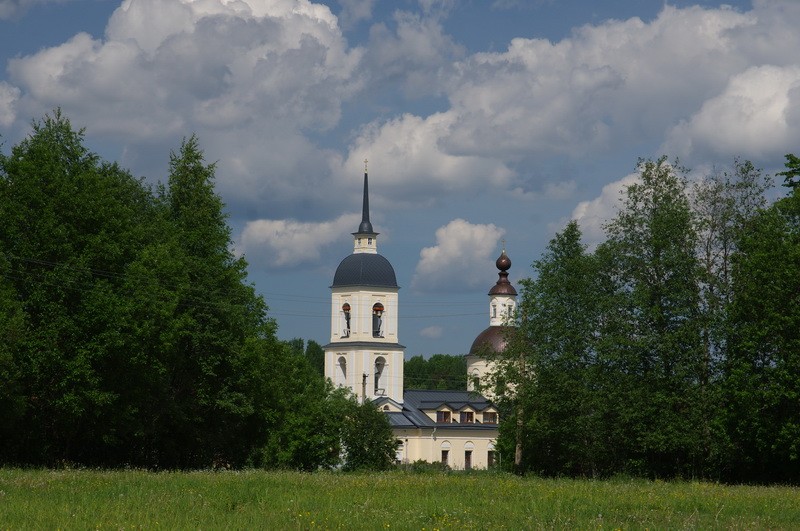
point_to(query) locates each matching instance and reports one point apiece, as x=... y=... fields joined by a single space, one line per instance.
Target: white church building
x=458 y=428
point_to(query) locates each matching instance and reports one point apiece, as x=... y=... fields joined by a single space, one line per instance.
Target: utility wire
x=189 y=300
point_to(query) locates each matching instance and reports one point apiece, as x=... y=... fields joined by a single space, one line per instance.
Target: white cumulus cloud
x=287 y=243
x=248 y=76
x=8 y=98
x=265 y=83
x=594 y=214
x=757 y=114
x=463 y=253
x=413 y=165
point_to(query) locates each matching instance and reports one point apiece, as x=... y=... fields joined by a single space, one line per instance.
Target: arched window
x=341 y=371
x=346 y=315
x=469 y=447
x=380 y=365
x=445 y=452
x=475 y=380
x=377 y=320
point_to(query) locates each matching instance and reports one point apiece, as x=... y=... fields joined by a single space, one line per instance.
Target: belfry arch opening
x=377 y=319
x=346 y=317
x=341 y=371
x=380 y=369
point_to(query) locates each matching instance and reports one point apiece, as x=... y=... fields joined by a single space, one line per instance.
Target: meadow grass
x=90 y=499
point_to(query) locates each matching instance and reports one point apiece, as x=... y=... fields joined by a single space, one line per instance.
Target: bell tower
x=363 y=353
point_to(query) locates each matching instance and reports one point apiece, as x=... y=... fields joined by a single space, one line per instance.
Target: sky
x=485 y=122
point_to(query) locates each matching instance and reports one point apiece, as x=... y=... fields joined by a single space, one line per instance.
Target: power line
x=124 y=277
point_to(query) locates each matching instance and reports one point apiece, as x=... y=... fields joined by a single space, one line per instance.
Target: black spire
x=366 y=226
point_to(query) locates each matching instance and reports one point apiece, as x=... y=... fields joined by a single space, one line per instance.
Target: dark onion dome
x=503 y=262
x=494 y=338
x=365 y=269
x=503 y=286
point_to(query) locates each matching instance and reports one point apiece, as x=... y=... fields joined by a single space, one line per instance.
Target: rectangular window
x=490 y=418
x=442 y=416
x=445 y=456
x=490 y=459
x=467 y=417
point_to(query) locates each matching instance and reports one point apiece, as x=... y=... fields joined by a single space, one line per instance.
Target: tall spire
x=366 y=226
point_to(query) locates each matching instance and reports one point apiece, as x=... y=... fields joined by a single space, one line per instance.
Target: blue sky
x=483 y=121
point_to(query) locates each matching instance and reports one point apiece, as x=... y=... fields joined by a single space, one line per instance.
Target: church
x=458 y=428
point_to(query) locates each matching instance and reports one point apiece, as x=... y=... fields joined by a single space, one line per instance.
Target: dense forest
x=672 y=349
x=129 y=335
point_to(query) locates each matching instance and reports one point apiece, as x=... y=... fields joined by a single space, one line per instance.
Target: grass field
x=87 y=499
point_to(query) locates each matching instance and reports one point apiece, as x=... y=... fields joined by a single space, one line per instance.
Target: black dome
x=365 y=269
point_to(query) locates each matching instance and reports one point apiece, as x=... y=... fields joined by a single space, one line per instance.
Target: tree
x=725 y=204
x=130 y=335
x=12 y=331
x=312 y=351
x=305 y=416
x=440 y=371
x=69 y=225
x=316 y=356
x=792 y=173
x=655 y=271
x=761 y=370
x=550 y=363
x=219 y=343
x=367 y=438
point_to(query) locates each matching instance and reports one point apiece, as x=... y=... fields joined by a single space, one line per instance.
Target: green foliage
x=563 y=430
x=669 y=350
x=762 y=387
x=654 y=275
x=792 y=174
x=69 y=227
x=312 y=351
x=129 y=333
x=367 y=438
x=440 y=371
x=315 y=356
x=305 y=418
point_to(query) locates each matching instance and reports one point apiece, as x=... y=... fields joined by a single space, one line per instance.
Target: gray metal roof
x=365 y=269
x=416 y=401
x=433 y=399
